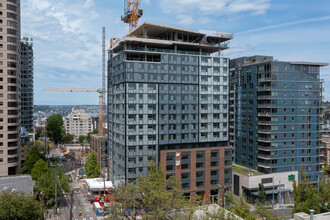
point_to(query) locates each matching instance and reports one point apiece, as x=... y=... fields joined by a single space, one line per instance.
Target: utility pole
x=71 y=207
x=55 y=183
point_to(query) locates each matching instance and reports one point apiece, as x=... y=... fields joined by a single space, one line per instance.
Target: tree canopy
x=262 y=193
x=45 y=185
x=92 y=168
x=82 y=139
x=55 y=128
x=33 y=156
x=19 y=206
x=307 y=196
x=40 y=167
x=68 y=138
x=156 y=196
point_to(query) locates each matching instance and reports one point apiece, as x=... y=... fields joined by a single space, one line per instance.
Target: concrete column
x=145 y=31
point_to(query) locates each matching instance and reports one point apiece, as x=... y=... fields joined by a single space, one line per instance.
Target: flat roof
x=308 y=63
x=20 y=183
x=95 y=184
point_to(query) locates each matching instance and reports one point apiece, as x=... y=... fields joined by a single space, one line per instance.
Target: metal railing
x=264 y=139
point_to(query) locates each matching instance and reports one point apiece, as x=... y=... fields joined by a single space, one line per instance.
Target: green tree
x=305 y=196
x=40 y=167
x=45 y=185
x=262 y=212
x=262 y=193
x=324 y=193
x=68 y=138
x=92 y=168
x=81 y=139
x=55 y=128
x=40 y=146
x=19 y=206
x=32 y=157
x=159 y=197
x=240 y=208
x=38 y=133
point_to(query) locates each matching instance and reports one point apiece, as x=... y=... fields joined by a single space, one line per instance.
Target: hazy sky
x=67 y=35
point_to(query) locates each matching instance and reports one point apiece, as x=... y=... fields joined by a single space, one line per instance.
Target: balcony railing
x=265 y=156
x=264 y=114
x=264 y=97
x=264 y=148
x=264 y=130
x=264 y=139
x=265 y=79
x=264 y=122
x=265 y=88
x=264 y=105
x=266 y=165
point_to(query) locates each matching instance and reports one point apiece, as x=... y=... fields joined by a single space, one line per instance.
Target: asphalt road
x=81 y=204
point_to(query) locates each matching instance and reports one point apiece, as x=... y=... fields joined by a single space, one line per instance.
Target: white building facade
x=78 y=123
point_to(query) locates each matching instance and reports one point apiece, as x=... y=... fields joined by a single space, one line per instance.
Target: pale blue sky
x=67 y=35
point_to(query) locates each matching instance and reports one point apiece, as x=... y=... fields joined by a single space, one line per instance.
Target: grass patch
x=245 y=170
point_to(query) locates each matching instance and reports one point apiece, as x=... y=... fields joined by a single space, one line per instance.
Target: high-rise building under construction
x=168 y=91
x=10 y=87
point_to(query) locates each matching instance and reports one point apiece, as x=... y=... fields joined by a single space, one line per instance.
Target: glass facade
x=276 y=115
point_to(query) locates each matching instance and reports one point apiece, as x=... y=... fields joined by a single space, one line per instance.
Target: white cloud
x=185 y=20
x=202 y=11
x=291 y=23
x=215 y=7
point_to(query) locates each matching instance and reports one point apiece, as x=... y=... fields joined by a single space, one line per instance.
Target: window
x=169 y=167
x=199 y=184
x=214 y=154
x=214 y=163
x=184 y=175
x=200 y=155
x=199 y=165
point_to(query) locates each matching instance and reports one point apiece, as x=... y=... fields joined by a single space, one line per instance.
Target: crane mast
x=132 y=13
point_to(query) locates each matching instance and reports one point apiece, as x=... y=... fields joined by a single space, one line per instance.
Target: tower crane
x=132 y=13
x=101 y=94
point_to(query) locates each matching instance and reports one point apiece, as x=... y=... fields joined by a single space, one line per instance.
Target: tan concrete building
x=10 y=87
x=78 y=123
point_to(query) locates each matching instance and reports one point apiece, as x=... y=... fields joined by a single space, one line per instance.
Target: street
x=81 y=209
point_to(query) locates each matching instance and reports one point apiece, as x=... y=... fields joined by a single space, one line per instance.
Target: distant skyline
x=67 y=35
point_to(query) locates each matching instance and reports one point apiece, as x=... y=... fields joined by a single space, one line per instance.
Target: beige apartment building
x=325 y=152
x=10 y=87
x=78 y=123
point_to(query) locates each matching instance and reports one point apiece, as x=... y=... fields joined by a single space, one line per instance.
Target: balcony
x=265 y=88
x=262 y=122
x=264 y=148
x=264 y=139
x=267 y=114
x=264 y=97
x=267 y=131
x=265 y=156
x=264 y=105
x=265 y=79
x=265 y=165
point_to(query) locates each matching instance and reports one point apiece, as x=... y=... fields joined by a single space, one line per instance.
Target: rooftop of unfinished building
x=168 y=37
